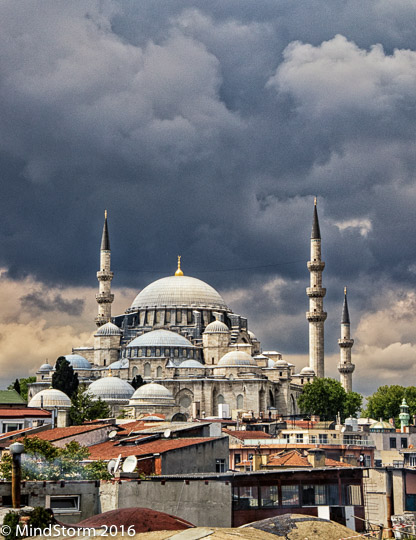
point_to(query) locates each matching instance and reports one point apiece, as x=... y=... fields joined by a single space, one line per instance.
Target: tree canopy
x=44 y=461
x=21 y=386
x=84 y=408
x=326 y=397
x=386 y=400
x=64 y=378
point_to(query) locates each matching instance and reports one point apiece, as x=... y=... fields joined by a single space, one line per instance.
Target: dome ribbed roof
x=111 y=388
x=381 y=425
x=160 y=338
x=77 y=361
x=217 y=327
x=307 y=371
x=50 y=398
x=152 y=393
x=108 y=329
x=191 y=364
x=120 y=364
x=237 y=359
x=45 y=367
x=281 y=363
x=179 y=291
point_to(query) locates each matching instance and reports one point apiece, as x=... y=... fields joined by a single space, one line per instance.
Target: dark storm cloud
x=40 y=301
x=206 y=130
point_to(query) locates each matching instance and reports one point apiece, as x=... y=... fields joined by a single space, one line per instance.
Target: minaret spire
x=316 y=315
x=104 y=275
x=345 y=366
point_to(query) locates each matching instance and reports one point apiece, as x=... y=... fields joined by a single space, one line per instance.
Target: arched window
x=191 y=353
x=157 y=352
x=135 y=371
x=176 y=352
x=189 y=317
x=167 y=316
x=159 y=372
x=147 y=369
x=240 y=401
x=178 y=316
x=166 y=352
x=148 y=352
x=140 y=352
x=220 y=399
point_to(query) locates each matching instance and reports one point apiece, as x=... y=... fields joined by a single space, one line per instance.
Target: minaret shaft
x=345 y=366
x=316 y=315
x=104 y=275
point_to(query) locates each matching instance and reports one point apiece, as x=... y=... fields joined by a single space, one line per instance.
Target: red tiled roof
x=17 y=432
x=112 y=449
x=28 y=412
x=243 y=435
x=62 y=433
x=295 y=459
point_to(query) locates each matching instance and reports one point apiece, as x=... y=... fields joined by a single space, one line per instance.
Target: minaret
x=316 y=315
x=345 y=367
x=104 y=276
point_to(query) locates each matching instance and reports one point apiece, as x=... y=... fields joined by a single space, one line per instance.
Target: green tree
x=84 y=408
x=23 y=386
x=386 y=400
x=64 y=378
x=326 y=397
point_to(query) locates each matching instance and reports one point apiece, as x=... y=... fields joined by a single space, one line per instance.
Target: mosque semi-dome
x=217 y=327
x=77 y=361
x=111 y=389
x=108 y=329
x=160 y=338
x=152 y=394
x=191 y=364
x=179 y=291
x=50 y=398
x=119 y=364
x=237 y=359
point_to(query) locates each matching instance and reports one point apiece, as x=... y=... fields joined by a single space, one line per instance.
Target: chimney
x=62 y=418
x=316 y=457
x=16 y=450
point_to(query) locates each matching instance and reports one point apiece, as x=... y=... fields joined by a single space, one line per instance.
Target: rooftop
x=24 y=412
x=57 y=434
x=243 y=435
x=10 y=396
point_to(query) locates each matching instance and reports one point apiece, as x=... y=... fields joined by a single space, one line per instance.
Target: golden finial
x=109 y=372
x=179 y=271
x=315 y=200
x=345 y=291
x=105 y=214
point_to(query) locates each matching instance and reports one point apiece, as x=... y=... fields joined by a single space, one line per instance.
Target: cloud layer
x=206 y=130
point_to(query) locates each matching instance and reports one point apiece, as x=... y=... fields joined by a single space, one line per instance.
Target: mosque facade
x=198 y=358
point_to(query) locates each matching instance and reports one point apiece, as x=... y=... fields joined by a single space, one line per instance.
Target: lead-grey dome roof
x=50 y=398
x=77 y=361
x=191 y=364
x=216 y=327
x=45 y=367
x=111 y=389
x=108 y=329
x=152 y=394
x=237 y=359
x=179 y=291
x=160 y=338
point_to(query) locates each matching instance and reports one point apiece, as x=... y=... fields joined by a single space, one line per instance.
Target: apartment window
x=237 y=459
x=323 y=438
x=412 y=461
x=290 y=495
x=393 y=442
x=8 y=426
x=65 y=503
x=269 y=496
x=403 y=442
x=299 y=437
x=220 y=465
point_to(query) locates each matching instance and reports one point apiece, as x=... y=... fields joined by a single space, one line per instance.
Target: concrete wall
x=201 y=502
x=198 y=458
x=39 y=492
x=87 y=439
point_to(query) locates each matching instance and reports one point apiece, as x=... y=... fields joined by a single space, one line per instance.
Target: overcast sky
x=206 y=129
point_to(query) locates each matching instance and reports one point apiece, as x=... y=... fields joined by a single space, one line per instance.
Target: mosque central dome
x=179 y=291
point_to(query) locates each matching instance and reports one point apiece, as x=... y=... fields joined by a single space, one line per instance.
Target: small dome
x=45 y=367
x=152 y=393
x=237 y=359
x=381 y=425
x=108 y=329
x=252 y=335
x=281 y=364
x=120 y=364
x=307 y=371
x=77 y=361
x=50 y=398
x=191 y=364
x=111 y=389
x=160 y=338
x=216 y=327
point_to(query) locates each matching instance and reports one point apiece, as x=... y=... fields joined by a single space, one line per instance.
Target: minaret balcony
x=104 y=298
x=316 y=316
x=105 y=275
x=346 y=343
x=316 y=266
x=100 y=320
x=346 y=368
x=316 y=292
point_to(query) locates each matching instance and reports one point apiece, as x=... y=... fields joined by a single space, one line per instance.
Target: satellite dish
x=111 y=466
x=167 y=433
x=130 y=463
x=112 y=434
x=117 y=464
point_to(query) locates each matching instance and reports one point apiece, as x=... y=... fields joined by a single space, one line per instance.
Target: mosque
x=198 y=358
